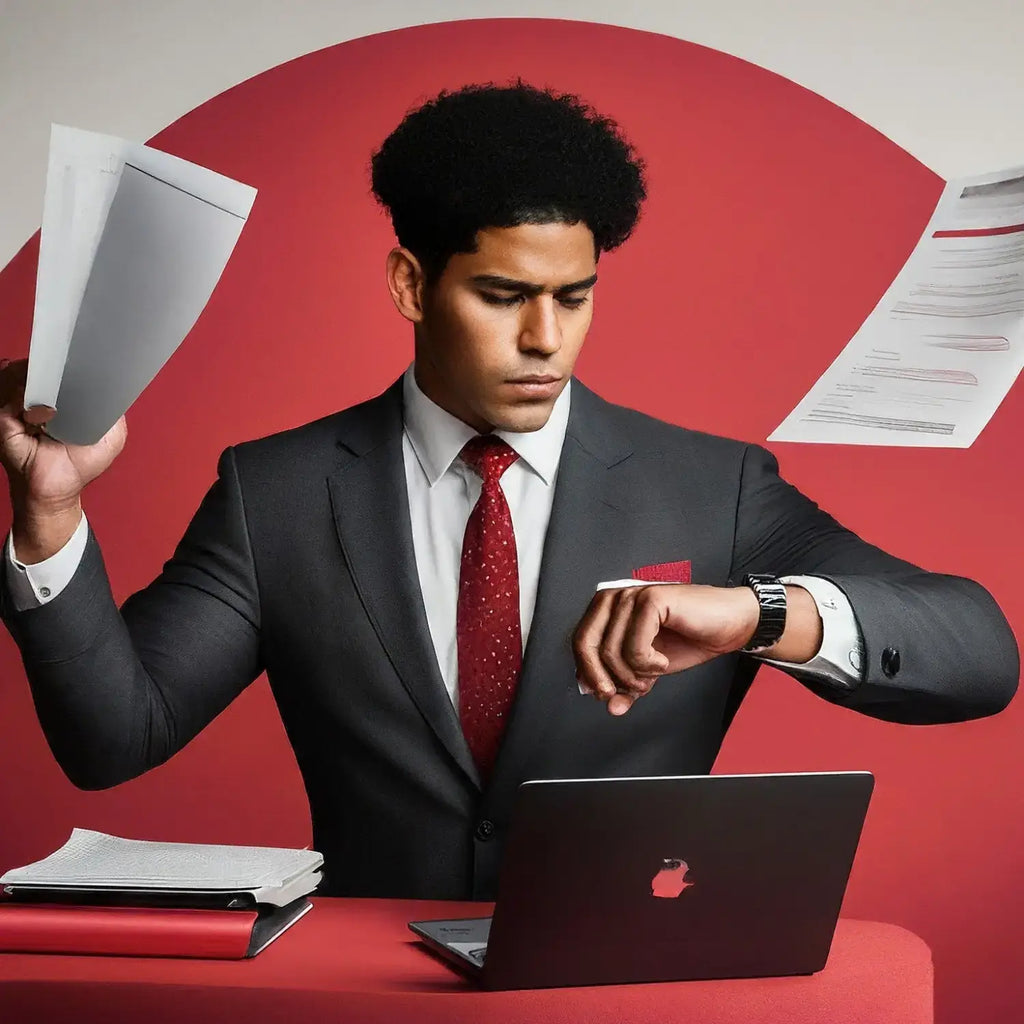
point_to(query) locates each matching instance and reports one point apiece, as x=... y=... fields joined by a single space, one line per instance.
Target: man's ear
x=406 y=282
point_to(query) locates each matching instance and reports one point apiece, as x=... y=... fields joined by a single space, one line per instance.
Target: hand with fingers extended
x=630 y=636
x=46 y=476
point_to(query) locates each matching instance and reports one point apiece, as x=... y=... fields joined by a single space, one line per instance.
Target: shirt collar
x=437 y=437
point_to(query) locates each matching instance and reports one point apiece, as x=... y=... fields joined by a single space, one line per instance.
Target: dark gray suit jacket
x=300 y=562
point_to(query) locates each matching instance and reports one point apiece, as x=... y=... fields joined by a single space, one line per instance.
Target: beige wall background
x=942 y=78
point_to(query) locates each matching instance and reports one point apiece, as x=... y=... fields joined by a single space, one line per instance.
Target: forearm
x=94 y=699
x=119 y=691
x=937 y=649
x=40 y=531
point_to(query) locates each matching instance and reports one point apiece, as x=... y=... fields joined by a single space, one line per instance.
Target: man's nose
x=541 y=331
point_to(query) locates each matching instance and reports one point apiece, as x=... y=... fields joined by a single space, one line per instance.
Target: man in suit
x=411 y=572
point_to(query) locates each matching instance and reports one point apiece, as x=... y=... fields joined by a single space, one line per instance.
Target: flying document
x=936 y=356
x=133 y=243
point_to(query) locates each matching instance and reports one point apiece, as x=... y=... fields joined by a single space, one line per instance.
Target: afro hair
x=500 y=156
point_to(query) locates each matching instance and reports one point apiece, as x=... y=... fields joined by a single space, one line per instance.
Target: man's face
x=502 y=327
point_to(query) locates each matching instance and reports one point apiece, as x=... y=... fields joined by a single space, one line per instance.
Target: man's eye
x=566 y=301
x=500 y=300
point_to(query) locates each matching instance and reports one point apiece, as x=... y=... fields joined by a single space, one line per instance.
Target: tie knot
x=488 y=456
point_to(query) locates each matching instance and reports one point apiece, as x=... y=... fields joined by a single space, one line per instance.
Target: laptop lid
x=659 y=879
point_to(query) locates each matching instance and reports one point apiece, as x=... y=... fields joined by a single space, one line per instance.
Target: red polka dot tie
x=490 y=647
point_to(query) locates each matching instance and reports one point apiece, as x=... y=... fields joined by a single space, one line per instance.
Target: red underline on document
x=1010 y=229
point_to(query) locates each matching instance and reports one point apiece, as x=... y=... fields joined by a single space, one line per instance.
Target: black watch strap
x=771 y=596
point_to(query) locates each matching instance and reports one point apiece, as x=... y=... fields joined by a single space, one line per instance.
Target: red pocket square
x=664 y=572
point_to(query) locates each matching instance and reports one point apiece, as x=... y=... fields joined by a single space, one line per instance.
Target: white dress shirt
x=442 y=492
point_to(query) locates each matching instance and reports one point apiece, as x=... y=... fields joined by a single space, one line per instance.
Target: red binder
x=143 y=931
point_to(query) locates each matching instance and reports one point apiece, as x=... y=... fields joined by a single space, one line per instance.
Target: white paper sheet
x=133 y=243
x=932 y=362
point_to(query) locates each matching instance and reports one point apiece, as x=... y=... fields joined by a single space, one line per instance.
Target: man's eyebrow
x=510 y=284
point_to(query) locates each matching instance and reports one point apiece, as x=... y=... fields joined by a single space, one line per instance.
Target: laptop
x=664 y=879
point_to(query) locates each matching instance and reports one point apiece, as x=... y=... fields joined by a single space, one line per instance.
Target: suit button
x=890 y=661
x=485 y=830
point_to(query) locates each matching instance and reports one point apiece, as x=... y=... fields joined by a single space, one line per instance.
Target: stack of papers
x=100 y=865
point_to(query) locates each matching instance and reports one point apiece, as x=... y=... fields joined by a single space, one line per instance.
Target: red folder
x=141 y=931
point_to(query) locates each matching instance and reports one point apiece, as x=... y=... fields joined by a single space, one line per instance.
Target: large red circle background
x=775 y=221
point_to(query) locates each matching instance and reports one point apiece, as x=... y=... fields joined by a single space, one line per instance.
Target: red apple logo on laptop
x=670 y=880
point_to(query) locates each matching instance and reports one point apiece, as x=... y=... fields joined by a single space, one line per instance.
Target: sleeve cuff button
x=890 y=661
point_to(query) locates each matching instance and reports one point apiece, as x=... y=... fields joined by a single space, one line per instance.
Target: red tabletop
x=355 y=961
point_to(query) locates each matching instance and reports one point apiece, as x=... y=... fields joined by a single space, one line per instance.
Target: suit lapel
x=587 y=515
x=370 y=503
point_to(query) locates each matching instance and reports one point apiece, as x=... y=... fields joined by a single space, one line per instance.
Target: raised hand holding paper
x=133 y=243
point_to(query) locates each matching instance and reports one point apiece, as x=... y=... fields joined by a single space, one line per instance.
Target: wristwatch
x=771 y=596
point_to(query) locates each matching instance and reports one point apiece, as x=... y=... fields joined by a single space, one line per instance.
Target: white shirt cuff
x=619 y=584
x=840 y=660
x=34 y=585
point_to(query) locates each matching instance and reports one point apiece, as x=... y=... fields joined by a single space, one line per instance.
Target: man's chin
x=521 y=418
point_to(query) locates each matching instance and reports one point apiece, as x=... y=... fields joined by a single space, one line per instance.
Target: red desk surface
x=355 y=961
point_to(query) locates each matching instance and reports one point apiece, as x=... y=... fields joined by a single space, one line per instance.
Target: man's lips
x=539 y=385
